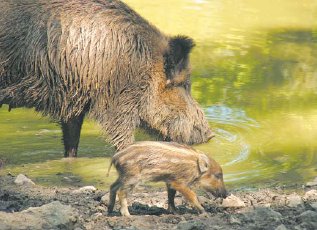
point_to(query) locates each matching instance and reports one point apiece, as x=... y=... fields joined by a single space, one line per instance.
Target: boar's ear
x=203 y=163
x=180 y=47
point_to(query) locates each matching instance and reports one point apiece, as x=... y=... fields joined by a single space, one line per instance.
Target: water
x=255 y=75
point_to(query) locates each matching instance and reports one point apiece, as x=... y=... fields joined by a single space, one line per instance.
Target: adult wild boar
x=70 y=58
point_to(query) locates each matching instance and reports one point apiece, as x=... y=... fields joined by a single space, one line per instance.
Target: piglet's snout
x=221 y=193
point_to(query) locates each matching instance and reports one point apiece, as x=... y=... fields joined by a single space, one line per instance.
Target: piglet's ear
x=180 y=47
x=203 y=163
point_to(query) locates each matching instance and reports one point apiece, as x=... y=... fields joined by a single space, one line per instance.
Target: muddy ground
x=278 y=208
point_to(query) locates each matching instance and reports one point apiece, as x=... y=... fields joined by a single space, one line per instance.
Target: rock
x=86 y=190
x=294 y=200
x=310 y=195
x=50 y=216
x=281 y=227
x=314 y=205
x=190 y=225
x=23 y=180
x=308 y=219
x=233 y=202
x=312 y=183
x=271 y=217
x=308 y=216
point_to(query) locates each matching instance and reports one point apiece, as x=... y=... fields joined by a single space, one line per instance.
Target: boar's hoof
x=172 y=210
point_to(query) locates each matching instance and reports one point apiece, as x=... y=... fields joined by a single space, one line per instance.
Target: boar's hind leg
x=113 y=193
x=71 y=134
x=171 y=195
x=122 y=194
x=189 y=195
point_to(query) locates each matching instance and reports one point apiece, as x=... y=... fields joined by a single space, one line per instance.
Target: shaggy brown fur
x=67 y=58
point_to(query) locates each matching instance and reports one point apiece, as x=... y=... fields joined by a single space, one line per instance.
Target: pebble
x=96 y=215
x=104 y=199
x=310 y=195
x=294 y=200
x=101 y=209
x=234 y=220
x=86 y=189
x=233 y=202
x=281 y=227
x=23 y=180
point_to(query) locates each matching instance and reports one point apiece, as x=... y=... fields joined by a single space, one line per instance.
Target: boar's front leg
x=171 y=196
x=71 y=134
x=188 y=194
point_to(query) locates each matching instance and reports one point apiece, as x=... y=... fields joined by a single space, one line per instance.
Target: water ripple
x=233 y=122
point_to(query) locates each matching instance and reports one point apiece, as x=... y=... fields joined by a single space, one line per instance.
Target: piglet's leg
x=171 y=195
x=122 y=194
x=189 y=195
x=113 y=193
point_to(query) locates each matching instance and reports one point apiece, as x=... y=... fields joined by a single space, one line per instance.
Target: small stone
x=96 y=215
x=233 y=202
x=281 y=227
x=310 y=195
x=234 y=220
x=101 y=209
x=23 y=180
x=294 y=200
x=86 y=190
x=104 y=199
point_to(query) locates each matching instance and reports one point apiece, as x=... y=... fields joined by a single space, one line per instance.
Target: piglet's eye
x=218 y=176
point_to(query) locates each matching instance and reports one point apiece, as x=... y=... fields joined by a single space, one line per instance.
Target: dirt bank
x=69 y=208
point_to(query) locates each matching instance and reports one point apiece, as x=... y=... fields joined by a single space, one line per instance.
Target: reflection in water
x=254 y=72
x=230 y=116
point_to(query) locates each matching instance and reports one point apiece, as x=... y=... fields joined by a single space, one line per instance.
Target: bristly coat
x=70 y=58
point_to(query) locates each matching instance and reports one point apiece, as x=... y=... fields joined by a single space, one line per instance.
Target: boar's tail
x=109 y=169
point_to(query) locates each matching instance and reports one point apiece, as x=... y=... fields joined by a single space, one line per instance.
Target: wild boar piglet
x=179 y=166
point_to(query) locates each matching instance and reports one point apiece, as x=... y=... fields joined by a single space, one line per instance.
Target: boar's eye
x=219 y=176
x=187 y=85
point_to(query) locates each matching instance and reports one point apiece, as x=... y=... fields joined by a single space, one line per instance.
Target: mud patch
x=264 y=208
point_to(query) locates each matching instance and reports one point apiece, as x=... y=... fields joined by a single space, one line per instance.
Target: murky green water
x=254 y=72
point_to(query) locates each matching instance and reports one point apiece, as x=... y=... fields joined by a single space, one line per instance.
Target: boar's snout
x=201 y=131
x=209 y=135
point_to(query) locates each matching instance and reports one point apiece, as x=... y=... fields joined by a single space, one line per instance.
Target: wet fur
x=68 y=58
